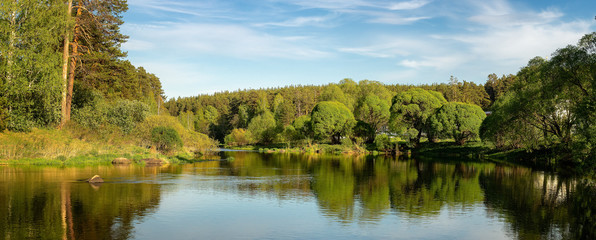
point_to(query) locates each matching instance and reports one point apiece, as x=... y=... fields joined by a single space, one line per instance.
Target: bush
x=126 y=114
x=166 y=139
x=193 y=141
x=239 y=137
x=382 y=142
x=92 y=113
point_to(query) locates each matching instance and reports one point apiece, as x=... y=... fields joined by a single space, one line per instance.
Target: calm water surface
x=284 y=196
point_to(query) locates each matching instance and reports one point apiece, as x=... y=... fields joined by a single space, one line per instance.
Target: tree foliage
x=332 y=120
x=374 y=111
x=554 y=101
x=239 y=137
x=30 y=63
x=411 y=109
x=460 y=121
x=263 y=127
x=166 y=139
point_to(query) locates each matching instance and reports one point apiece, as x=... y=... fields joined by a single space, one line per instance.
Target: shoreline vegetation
x=69 y=94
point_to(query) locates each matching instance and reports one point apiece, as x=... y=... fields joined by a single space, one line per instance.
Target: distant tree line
x=549 y=105
x=359 y=111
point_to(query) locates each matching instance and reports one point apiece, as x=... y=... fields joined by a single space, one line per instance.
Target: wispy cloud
x=298 y=22
x=436 y=62
x=223 y=39
x=395 y=19
x=408 y=5
x=191 y=43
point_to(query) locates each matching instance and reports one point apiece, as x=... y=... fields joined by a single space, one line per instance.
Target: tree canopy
x=552 y=103
x=332 y=120
x=460 y=121
x=411 y=109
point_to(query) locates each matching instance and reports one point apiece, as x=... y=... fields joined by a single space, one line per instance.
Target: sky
x=206 y=46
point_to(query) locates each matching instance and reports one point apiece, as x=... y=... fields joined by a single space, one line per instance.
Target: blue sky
x=205 y=46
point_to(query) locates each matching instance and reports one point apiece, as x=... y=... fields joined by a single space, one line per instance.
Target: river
x=296 y=196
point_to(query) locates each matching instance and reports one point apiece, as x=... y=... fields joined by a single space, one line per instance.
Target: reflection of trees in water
x=47 y=204
x=541 y=206
x=350 y=189
x=421 y=189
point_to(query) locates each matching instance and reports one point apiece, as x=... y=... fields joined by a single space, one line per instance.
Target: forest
x=66 y=84
x=545 y=111
x=62 y=69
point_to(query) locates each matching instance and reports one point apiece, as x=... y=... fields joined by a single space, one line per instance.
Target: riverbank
x=75 y=145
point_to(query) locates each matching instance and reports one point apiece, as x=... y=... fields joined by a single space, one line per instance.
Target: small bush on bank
x=193 y=141
x=382 y=143
x=239 y=137
x=166 y=139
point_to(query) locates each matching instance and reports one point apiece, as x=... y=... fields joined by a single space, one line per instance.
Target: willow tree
x=556 y=99
x=332 y=120
x=411 y=109
x=374 y=112
x=460 y=121
x=30 y=63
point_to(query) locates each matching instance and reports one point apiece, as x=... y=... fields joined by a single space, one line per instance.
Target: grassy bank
x=77 y=145
x=550 y=159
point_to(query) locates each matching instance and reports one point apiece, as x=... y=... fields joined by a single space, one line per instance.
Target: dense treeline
x=294 y=114
x=62 y=66
x=548 y=106
x=551 y=107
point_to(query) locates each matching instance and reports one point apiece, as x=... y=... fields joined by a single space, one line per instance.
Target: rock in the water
x=152 y=161
x=95 y=179
x=121 y=161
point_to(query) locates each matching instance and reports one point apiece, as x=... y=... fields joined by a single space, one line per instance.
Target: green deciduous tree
x=126 y=114
x=460 y=121
x=375 y=112
x=239 y=137
x=332 y=92
x=411 y=109
x=555 y=100
x=30 y=62
x=263 y=127
x=332 y=120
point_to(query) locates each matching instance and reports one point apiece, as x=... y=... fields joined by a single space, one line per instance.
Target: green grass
x=470 y=149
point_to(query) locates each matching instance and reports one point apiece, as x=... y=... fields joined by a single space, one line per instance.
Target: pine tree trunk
x=65 y=57
x=73 y=65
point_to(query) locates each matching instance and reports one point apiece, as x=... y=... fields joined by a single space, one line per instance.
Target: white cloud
x=437 y=62
x=396 y=19
x=521 y=43
x=332 y=4
x=395 y=46
x=517 y=19
x=298 y=22
x=188 y=39
x=408 y=5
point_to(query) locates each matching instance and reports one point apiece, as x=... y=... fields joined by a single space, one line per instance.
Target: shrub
x=382 y=142
x=126 y=114
x=166 y=139
x=239 y=137
x=263 y=128
x=92 y=113
x=193 y=141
